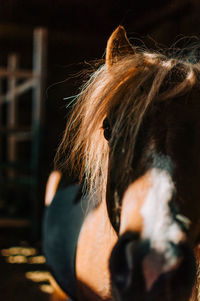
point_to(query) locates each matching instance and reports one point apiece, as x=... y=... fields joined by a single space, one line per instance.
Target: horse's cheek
x=95 y=244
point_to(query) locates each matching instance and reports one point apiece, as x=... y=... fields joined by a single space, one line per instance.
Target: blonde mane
x=131 y=85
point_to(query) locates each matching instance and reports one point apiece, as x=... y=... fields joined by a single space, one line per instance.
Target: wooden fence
x=14 y=84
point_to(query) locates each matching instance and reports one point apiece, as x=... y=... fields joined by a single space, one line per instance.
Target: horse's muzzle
x=140 y=273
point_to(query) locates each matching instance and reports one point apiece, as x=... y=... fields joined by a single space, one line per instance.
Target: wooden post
x=1 y=140
x=12 y=111
x=39 y=70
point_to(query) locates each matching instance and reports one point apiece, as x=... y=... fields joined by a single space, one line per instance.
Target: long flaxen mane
x=131 y=81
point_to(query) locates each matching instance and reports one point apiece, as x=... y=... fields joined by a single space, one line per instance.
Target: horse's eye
x=107 y=129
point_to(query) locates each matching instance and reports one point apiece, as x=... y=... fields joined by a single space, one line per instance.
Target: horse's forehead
x=172 y=118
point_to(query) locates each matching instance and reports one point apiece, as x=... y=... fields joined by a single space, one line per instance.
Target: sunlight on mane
x=132 y=85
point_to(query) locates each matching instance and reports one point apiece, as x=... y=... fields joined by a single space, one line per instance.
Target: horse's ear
x=118 y=46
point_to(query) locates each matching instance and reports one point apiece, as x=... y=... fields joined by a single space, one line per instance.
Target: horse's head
x=153 y=188
x=135 y=131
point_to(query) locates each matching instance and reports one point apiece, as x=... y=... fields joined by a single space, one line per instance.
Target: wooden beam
x=14 y=223
x=160 y=15
x=18 y=90
x=19 y=74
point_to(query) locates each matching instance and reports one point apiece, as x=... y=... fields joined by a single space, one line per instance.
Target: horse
x=134 y=135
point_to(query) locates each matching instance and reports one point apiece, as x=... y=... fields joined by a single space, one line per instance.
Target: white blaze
x=159 y=227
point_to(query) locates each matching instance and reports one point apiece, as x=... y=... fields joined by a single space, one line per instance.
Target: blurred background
x=43 y=44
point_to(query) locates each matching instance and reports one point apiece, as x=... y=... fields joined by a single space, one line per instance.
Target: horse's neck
x=97 y=237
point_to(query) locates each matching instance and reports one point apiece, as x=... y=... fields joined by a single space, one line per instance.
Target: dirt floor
x=23 y=272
